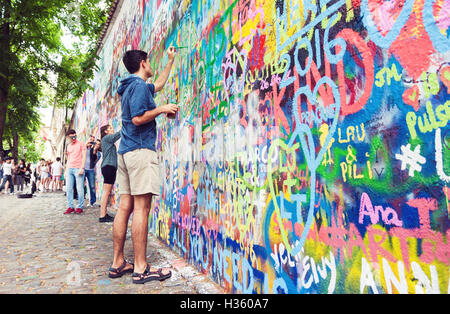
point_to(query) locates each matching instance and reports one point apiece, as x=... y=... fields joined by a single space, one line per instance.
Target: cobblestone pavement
x=44 y=251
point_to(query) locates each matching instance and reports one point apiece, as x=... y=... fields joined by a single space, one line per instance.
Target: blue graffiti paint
x=307 y=143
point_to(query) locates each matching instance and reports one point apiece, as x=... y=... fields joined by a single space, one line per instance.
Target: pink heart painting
x=411 y=97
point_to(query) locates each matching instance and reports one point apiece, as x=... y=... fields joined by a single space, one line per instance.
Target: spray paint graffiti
x=310 y=154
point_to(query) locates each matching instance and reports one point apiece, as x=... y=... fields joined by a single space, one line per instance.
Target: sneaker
x=107 y=218
x=79 y=211
x=69 y=211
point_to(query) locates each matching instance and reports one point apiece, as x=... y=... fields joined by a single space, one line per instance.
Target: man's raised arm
x=162 y=78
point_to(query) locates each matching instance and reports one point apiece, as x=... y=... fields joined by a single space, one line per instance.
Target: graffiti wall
x=311 y=152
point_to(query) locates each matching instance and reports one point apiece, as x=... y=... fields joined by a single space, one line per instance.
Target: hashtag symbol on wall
x=411 y=158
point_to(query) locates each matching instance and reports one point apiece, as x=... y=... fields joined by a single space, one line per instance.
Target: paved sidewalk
x=44 y=251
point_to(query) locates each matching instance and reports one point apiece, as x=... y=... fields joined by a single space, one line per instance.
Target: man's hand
x=171 y=53
x=81 y=172
x=170 y=108
x=164 y=75
x=150 y=115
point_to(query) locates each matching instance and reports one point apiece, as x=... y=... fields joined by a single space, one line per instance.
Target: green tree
x=32 y=48
x=23 y=120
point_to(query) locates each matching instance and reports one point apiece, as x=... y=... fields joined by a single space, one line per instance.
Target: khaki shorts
x=138 y=172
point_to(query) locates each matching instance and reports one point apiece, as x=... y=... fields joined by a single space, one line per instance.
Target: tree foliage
x=33 y=52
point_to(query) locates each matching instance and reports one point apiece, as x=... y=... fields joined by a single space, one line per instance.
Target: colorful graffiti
x=311 y=152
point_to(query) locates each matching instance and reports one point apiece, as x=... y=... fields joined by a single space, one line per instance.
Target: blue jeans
x=11 y=184
x=90 y=175
x=71 y=177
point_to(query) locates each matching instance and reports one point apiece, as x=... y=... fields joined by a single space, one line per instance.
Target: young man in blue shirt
x=138 y=173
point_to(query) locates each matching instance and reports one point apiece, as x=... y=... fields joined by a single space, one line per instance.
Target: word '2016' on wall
x=311 y=150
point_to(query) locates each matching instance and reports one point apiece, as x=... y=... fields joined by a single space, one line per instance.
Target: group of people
x=14 y=174
x=135 y=164
x=80 y=164
x=49 y=175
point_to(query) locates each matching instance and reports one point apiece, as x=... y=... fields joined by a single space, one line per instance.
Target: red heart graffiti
x=411 y=97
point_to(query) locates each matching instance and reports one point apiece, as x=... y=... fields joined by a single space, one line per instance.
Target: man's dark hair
x=70 y=132
x=132 y=60
x=58 y=159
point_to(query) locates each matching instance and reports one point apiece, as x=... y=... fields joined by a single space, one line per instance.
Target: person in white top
x=7 y=175
x=57 y=169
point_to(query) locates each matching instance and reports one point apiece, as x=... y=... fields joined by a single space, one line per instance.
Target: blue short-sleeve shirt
x=137 y=98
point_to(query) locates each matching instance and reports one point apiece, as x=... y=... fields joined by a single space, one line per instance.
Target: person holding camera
x=89 y=167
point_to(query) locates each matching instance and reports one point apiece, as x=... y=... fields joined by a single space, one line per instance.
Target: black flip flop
x=119 y=272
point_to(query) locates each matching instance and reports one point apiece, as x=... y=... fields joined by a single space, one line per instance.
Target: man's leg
x=91 y=182
x=69 y=185
x=126 y=205
x=11 y=184
x=74 y=187
x=7 y=185
x=120 y=228
x=80 y=186
x=2 y=185
x=139 y=230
